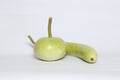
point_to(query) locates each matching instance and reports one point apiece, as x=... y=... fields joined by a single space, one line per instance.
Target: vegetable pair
x=54 y=48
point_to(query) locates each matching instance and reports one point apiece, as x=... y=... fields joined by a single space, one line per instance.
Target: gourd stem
x=49 y=27
x=30 y=38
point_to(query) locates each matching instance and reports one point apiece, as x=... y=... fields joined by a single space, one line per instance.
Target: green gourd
x=49 y=48
x=82 y=51
x=54 y=48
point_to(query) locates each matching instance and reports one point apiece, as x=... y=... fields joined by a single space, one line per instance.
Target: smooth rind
x=50 y=49
x=82 y=51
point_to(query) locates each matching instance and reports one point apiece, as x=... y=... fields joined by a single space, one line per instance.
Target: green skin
x=53 y=48
x=49 y=48
x=82 y=51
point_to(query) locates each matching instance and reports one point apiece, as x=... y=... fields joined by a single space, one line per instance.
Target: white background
x=92 y=22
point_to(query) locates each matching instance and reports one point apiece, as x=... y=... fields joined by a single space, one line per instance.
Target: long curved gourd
x=82 y=51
